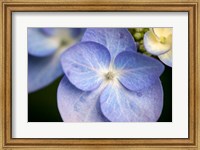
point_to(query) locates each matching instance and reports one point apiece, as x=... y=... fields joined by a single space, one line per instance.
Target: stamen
x=163 y=40
x=109 y=76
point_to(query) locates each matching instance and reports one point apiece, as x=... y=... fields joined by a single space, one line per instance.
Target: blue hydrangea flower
x=44 y=48
x=107 y=80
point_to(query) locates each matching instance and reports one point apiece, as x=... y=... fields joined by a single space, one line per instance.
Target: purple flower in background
x=107 y=80
x=45 y=45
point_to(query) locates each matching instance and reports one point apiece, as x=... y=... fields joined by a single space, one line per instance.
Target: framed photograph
x=107 y=75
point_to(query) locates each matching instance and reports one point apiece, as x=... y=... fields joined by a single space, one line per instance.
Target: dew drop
x=68 y=73
x=121 y=35
x=82 y=99
x=139 y=94
x=75 y=66
x=77 y=107
x=132 y=105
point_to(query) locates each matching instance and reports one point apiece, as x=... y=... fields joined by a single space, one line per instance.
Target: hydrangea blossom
x=107 y=80
x=44 y=48
x=158 y=41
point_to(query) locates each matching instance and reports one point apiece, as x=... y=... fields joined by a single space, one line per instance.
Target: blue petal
x=137 y=71
x=83 y=62
x=76 y=32
x=78 y=106
x=48 y=31
x=39 y=44
x=115 y=40
x=121 y=105
x=42 y=72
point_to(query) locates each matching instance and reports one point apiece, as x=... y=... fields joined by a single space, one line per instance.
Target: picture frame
x=10 y=6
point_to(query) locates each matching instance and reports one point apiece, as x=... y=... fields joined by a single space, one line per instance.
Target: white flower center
x=110 y=75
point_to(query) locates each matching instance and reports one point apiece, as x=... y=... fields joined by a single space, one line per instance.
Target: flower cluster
x=106 y=79
x=45 y=45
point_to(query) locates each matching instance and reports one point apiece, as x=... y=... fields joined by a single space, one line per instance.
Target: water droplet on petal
x=121 y=35
x=68 y=73
x=77 y=107
x=139 y=94
x=82 y=99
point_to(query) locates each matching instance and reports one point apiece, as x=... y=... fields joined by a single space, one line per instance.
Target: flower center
x=63 y=42
x=163 y=40
x=109 y=75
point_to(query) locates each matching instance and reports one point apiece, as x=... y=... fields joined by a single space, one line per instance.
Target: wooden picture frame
x=9 y=6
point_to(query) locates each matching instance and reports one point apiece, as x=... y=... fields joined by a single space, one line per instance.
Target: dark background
x=42 y=105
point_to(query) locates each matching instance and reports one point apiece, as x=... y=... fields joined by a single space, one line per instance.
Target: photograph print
x=99 y=74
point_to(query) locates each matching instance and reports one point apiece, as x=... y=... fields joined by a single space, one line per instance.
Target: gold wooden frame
x=9 y=6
